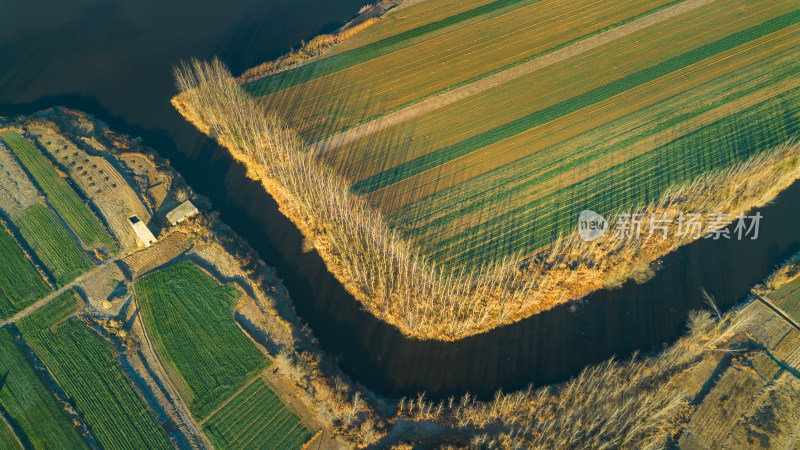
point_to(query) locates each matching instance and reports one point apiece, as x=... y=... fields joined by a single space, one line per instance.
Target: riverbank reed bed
x=401 y=286
x=636 y=403
x=315 y=47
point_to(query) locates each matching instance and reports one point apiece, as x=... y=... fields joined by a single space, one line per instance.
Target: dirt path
x=779 y=311
x=285 y=389
x=180 y=407
x=433 y=103
x=38 y=304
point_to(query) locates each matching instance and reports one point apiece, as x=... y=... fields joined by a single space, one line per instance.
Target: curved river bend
x=113 y=59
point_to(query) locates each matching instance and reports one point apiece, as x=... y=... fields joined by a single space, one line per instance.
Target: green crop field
x=54 y=312
x=52 y=243
x=87 y=370
x=482 y=131
x=189 y=318
x=20 y=282
x=63 y=198
x=36 y=414
x=7 y=439
x=256 y=418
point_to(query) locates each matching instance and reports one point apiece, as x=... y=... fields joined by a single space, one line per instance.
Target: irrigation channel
x=113 y=59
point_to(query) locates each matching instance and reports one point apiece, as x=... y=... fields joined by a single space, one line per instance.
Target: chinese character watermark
x=714 y=226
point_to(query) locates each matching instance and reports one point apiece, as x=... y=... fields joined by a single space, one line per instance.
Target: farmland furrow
x=502 y=77
x=636 y=182
x=402 y=78
x=479 y=191
x=233 y=404
x=408 y=174
x=301 y=74
x=586 y=170
x=538 y=145
x=401 y=147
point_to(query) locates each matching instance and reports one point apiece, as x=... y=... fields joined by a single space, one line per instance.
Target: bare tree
x=390 y=276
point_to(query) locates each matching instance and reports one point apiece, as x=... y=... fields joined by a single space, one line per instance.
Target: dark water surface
x=113 y=59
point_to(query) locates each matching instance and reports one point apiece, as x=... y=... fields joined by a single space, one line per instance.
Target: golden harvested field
x=585 y=74
x=481 y=129
x=354 y=94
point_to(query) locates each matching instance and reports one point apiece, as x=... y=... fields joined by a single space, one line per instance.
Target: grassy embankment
x=788 y=296
x=692 y=107
x=36 y=414
x=66 y=202
x=87 y=370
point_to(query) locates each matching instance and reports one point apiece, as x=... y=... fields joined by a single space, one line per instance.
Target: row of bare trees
x=616 y=404
x=389 y=275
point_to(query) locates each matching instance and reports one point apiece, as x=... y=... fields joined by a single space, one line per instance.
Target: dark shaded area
x=543 y=349
x=113 y=59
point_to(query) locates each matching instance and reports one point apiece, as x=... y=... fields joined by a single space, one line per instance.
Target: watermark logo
x=591 y=225
x=683 y=225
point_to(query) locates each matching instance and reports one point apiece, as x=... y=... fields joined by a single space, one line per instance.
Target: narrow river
x=113 y=59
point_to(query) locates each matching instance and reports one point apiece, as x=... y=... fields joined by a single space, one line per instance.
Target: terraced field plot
x=256 y=418
x=788 y=298
x=87 y=370
x=688 y=87
x=63 y=198
x=7 y=439
x=52 y=243
x=37 y=415
x=20 y=282
x=190 y=322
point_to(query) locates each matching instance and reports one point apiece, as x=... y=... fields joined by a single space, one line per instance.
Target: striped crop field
x=189 y=318
x=480 y=129
x=39 y=421
x=346 y=90
x=256 y=418
x=86 y=368
x=788 y=298
x=7 y=438
x=60 y=194
x=20 y=282
x=52 y=243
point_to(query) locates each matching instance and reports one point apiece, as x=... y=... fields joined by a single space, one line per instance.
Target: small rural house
x=145 y=235
x=182 y=212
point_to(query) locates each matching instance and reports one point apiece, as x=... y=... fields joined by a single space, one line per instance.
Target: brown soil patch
x=106 y=290
x=98 y=180
x=17 y=192
x=169 y=247
x=754 y=403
